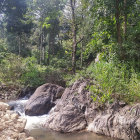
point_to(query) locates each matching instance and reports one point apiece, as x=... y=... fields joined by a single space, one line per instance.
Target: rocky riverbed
x=74 y=110
x=69 y=110
x=11 y=125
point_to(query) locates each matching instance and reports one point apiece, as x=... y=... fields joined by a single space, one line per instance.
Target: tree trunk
x=74 y=44
x=125 y=19
x=19 y=46
x=40 y=50
x=48 y=59
x=118 y=26
x=43 y=47
x=81 y=54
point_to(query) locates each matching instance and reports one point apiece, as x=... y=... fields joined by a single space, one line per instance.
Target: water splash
x=33 y=122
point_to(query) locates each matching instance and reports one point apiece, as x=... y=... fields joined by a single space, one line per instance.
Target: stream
x=35 y=126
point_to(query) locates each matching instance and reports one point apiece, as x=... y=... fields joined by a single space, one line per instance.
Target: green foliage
x=58 y=63
x=3 y=49
x=98 y=96
x=45 y=24
x=33 y=74
x=16 y=70
x=114 y=81
x=70 y=79
x=11 y=69
x=41 y=31
x=134 y=88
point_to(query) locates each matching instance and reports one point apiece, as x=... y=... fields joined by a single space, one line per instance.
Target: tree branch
x=81 y=39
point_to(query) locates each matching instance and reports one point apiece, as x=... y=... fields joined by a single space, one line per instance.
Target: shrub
x=114 y=81
x=11 y=69
x=134 y=88
x=33 y=74
x=15 y=70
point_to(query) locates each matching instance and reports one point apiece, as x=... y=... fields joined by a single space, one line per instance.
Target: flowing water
x=35 y=126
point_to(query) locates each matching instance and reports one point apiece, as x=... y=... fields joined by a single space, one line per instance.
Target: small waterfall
x=33 y=122
x=18 y=106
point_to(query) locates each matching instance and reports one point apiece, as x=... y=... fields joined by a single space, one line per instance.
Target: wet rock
x=26 y=92
x=43 y=99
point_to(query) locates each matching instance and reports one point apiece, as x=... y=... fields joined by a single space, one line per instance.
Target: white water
x=33 y=122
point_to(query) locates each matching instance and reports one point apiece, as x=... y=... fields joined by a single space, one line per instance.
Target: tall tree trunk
x=43 y=54
x=74 y=44
x=125 y=19
x=81 y=55
x=82 y=40
x=48 y=59
x=118 y=26
x=43 y=47
x=19 y=46
x=40 y=50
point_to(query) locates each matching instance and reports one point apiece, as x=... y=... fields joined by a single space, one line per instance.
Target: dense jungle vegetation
x=58 y=40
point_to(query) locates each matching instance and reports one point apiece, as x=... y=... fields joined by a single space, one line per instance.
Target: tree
x=74 y=35
x=45 y=16
x=73 y=18
x=16 y=24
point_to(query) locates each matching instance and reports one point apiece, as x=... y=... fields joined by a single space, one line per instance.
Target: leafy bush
x=33 y=73
x=114 y=81
x=70 y=79
x=58 y=63
x=134 y=88
x=20 y=71
x=11 y=69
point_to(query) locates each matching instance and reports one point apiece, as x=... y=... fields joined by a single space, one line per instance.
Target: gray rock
x=43 y=99
x=69 y=113
x=68 y=119
x=122 y=124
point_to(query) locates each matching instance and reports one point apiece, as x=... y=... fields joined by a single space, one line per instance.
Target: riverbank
x=11 y=125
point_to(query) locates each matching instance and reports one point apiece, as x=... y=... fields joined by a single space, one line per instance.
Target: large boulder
x=68 y=119
x=69 y=113
x=43 y=99
x=122 y=124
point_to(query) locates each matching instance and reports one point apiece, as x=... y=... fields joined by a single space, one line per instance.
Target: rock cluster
x=11 y=125
x=75 y=111
x=8 y=92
